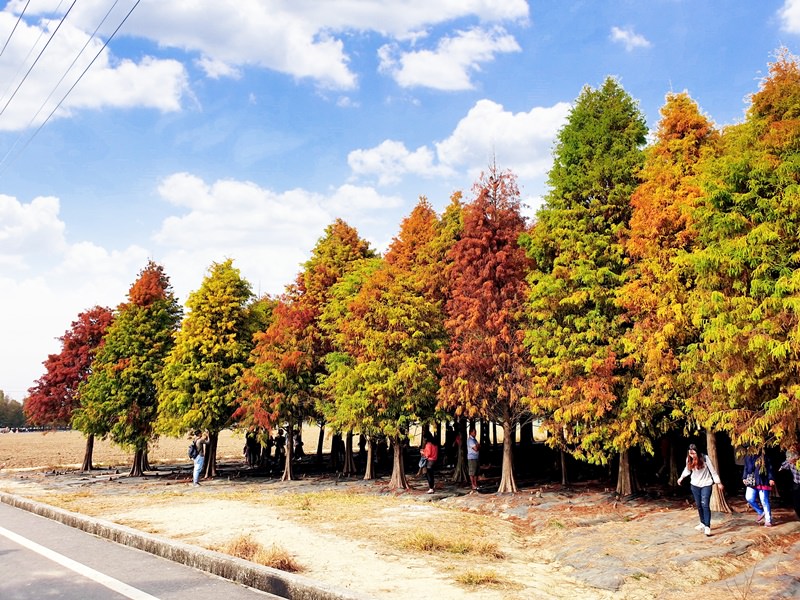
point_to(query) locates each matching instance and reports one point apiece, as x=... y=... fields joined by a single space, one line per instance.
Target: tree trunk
x=136 y=467
x=336 y=441
x=288 y=472
x=87 y=454
x=349 y=467
x=398 y=480
x=146 y=461
x=507 y=483
x=718 y=502
x=210 y=461
x=626 y=483
x=369 y=470
x=320 y=441
x=461 y=474
x=564 y=474
x=674 y=464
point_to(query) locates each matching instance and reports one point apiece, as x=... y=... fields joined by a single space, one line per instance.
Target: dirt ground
x=546 y=541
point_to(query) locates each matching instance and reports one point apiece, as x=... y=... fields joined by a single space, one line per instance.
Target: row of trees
x=656 y=292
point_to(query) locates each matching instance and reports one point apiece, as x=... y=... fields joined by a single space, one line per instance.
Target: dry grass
x=423 y=541
x=246 y=548
x=482 y=578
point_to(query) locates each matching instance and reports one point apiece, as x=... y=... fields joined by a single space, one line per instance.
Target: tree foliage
x=53 y=398
x=746 y=264
x=484 y=365
x=280 y=387
x=383 y=376
x=199 y=383
x=119 y=398
x=577 y=245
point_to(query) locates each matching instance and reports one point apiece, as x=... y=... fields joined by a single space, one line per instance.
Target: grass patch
x=246 y=548
x=423 y=541
x=480 y=578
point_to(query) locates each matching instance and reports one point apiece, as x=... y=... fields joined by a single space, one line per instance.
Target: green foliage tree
x=53 y=398
x=484 y=364
x=581 y=379
x=199 y=384
x=746 y=265
x=11 y=412
x=119 y=398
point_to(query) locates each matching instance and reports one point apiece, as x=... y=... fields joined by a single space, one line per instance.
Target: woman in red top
x=431 y=452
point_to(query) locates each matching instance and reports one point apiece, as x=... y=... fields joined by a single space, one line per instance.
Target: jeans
x=763 y=496
x=702 y=498
x=429 y=474
x=198 y=468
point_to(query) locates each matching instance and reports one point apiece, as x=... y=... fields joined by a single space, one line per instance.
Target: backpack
x=193 y=451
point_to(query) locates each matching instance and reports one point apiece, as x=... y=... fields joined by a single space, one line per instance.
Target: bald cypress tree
x=576 y=324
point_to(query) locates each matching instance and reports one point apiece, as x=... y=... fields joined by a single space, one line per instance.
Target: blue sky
x=242 y=128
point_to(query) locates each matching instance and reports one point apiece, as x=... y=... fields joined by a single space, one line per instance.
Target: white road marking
x=109 y=582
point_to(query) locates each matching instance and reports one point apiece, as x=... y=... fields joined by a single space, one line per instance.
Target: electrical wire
x=60 y=81
x=10 y=35
x=41 y=52
x=11 y=80
x=64 y=97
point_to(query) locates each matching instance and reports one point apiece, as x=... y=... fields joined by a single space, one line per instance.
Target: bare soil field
x=546 y=541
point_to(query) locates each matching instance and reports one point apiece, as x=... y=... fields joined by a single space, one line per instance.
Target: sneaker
x=700 y=527
x=430 y=491
x=760 y=518
x=707 y=530
x=768 y=524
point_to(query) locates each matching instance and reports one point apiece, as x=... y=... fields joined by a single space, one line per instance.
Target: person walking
x=703 y=477
x=431 y=453
x=790 y=464
x=201 y=440
x=473 y=454
x=758 y=480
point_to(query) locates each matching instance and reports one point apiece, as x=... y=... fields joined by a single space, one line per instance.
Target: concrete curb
x=267 y=579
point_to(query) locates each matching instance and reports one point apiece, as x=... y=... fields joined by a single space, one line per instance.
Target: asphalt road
x=42 y=559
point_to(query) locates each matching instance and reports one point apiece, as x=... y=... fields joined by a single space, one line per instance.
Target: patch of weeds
x=422 y=541
x=556 y=524
x=639 y=576
x=246 y=548
x=480 y=578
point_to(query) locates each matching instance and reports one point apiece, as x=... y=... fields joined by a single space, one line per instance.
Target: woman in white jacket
x=703 y=478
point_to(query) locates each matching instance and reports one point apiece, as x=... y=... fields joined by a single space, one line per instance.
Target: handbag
x=750 y=480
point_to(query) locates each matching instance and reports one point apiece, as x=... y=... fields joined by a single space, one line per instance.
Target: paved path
x=42 y=558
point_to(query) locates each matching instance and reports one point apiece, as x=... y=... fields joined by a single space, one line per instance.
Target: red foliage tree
x=54 y=396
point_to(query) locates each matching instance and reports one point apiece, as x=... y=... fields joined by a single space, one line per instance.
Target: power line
x=64 y=97
x=10 y=35
x=25 y=60
x=53 y=91
x=41 y=52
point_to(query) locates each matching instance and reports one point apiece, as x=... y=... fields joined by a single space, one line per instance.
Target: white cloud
x=29 y=232
x=390 y=161
x=628 y=38
x=451 y=64
x=521 y=142
x=298 y=38
x=39 y=308
x=268 y=234
x=32 y=92
x=789 y=15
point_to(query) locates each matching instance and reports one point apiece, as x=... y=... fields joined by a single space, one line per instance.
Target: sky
x=193 y=132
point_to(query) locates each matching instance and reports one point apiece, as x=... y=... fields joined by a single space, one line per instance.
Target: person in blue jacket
x=758 y=480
